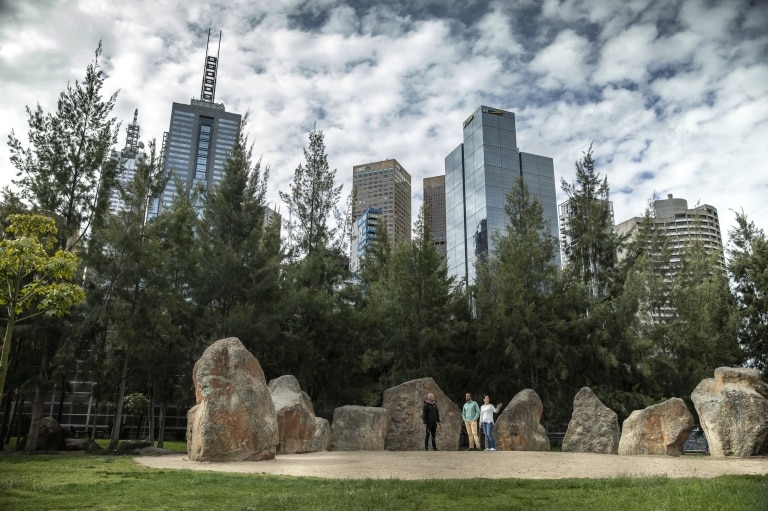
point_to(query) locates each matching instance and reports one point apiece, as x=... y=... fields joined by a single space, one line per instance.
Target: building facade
x=200 y=137
x=363 y=235
x=681 y=226
x=479 y=174
x=434 y=210
x=129 y=157
x=383 y=185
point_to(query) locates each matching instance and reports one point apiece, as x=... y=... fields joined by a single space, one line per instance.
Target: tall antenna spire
x=208 y=90
x=132 y=133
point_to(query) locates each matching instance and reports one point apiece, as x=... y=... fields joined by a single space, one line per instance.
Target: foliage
x=32 y=279
x=590 y=244
x=312 y=201
x=67 y=172
x=748 y=268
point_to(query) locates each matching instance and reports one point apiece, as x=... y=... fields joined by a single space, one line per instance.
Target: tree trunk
x=161 y=426
x=115 y=436
x=37 y=406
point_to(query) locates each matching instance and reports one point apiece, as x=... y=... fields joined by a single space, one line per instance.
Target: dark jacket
x=430 y=413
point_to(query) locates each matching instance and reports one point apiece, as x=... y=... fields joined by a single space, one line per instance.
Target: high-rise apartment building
x=681 y=226
x=383 y=185
x=434 y=210
x=200 y=137
x=565 y=213
x=478 y=175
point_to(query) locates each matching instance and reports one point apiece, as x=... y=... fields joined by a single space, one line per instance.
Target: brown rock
x=234 y=418
x=593 y=427
x=405 y=431
x=518 y=427
x=659 y=429
x=295 y=415
x=358 y=428
x=733 y=411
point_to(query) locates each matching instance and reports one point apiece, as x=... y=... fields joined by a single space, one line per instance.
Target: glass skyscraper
x=478 y=175
x=200 y=137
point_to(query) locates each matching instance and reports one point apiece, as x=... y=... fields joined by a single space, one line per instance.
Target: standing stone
x=405 y=431
x=358 y=428
x=518 y=427
x=295 y=415
x=733 y=409
x=659 y=429
x=593 y=427
x=322 y=440
x=51 y=435
x=234 y=418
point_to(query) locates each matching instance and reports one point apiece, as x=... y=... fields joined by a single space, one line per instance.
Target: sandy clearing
x=470 y=464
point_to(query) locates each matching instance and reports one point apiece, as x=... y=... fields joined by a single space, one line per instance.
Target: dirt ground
x=472 y=464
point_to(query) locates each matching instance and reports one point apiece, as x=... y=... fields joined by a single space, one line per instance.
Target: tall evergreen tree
x=590 y=244
x=312 y=201
x=238 y=282
x=67 y=172
x=748 y=268
x=517 y=327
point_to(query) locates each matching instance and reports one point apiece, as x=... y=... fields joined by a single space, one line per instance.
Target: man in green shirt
x=470 y=413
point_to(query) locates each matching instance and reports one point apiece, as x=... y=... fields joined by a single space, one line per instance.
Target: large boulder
x=518 y=427
x=405 y=431
x=593 y=427
x=358 y=428
x=234 y=418
x=322 y=440
x=51 y=435
x=733 y=410
x=295 y=415
x=659 y=429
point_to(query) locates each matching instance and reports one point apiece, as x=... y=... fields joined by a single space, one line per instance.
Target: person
x=430 y=416
x=486 y=421
x=469 y=414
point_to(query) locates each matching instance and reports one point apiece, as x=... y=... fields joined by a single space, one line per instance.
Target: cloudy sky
x=673 y=93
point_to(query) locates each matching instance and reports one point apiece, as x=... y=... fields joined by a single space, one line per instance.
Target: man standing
x=470 y=413
x=430 y=416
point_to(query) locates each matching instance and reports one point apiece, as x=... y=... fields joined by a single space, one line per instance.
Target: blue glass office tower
x=200 y=137
x=478 y=175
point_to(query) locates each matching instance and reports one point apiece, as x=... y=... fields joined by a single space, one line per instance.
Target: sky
x=672 y=94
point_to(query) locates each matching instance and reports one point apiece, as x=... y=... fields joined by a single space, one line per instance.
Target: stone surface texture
x=518 y=428
x=405 y=431
x=659 y=429
x=593 y=426
x=295 y=416
x=234 y=418
x=733 y=410
x=358 y=428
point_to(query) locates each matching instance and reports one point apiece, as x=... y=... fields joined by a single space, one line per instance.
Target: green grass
x=81 y=482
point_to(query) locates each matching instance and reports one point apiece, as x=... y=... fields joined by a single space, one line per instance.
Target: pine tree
x=590 y=242
x=748 y=268
x=312 y=200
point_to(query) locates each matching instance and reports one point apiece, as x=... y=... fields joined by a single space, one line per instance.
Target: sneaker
x=486 y=449
x=492 y=449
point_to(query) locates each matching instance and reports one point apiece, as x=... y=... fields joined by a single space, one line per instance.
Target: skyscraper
x=478 y=175
x=434 y=210
x=199 y=138
x=129 y=157
x=383 y=185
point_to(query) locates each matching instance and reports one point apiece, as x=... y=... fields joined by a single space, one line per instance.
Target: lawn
x=105 y=482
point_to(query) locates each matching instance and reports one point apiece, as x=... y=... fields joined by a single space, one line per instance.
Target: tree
x=513 y=291
x=33 y=281
x=590 y=242
x=238 y=279
x=312 y=200
x=748 y=268
x=67 y=172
